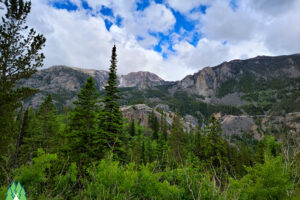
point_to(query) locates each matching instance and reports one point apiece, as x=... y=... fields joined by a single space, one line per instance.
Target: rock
x=238 y=124
x=206 y=81
x=233 y=99
x=163 y=107
x=141 y=80
x=192 y=120
x=140 y=113
x=63 y=82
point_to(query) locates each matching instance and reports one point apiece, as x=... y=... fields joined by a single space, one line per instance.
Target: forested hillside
x=95 y=149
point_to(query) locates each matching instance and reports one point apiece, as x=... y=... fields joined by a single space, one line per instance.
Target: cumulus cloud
x=157 y=18
x=272 y=7
x=223 y=23
x=77 y=39
x=206 y=53
x=283 y=33
x=80 y=38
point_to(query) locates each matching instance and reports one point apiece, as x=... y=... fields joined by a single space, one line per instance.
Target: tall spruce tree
x=47 y=116
x=154 y=124
x=32 y=136
x=111 y=116
x=24 y=126
x=131 y=130
x=177 y=139
x=19 y=57
x=215 y=151
x=164 y=126
x=19 y=54
x=83 y=139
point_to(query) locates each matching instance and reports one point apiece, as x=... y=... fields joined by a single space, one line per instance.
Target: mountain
x=63 y=82
x=241 y=76
x=244 y=92
x=142 y=80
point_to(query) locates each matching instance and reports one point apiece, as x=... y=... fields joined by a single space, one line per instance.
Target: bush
x=267 y=181
x=109 y=180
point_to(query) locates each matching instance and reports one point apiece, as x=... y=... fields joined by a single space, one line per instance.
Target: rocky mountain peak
x=206 y=81
x=141 y=79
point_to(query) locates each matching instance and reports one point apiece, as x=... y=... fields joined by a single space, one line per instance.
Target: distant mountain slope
x=63 y=82
x=262 y=83
x=256 y=94
x=262 y=86
x=209 y=80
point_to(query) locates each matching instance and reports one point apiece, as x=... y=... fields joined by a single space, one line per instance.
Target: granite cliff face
x=141 y=112
x=206 y=81
x=63 y=82
x=141 y=80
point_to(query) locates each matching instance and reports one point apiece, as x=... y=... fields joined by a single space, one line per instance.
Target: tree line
x=92 y=152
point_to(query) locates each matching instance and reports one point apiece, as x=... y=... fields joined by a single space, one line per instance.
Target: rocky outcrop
x=238 y=125
x=140 y=113
x=63 y=82
x=141 y=80
x=292 y=120
x=206 y=81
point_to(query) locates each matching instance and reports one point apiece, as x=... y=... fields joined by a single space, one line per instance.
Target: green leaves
x=110 y=180
x=267 y=181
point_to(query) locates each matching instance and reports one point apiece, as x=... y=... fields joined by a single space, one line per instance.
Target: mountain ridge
x=228 y=83
x=238 y=90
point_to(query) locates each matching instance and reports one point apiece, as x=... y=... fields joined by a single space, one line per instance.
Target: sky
x=171 y=38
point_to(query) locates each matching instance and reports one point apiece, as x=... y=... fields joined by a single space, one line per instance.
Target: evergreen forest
x=90 y=151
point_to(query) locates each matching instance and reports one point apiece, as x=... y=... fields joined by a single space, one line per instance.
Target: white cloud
x=77 y=39
x=224 y=24
x=82 y=40
x=206 y=53
x=283 y=33
x=272 y=7
x=156 y=18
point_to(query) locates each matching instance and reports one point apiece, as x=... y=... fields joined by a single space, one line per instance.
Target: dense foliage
x=180 y=101
x=91 y=152
x=196 y=165
x=19 y=57
x=63 y=156
x=273 y=95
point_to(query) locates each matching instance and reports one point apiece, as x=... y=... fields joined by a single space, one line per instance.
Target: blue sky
x=184 y=27
x=172 y=38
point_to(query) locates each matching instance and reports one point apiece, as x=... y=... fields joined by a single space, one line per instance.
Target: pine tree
x=111 y=116
x=177 y=139
x=154 y=124
x=198 y=142
x=32 y=137
x=164 y=126
x=143 y=157
x=260 y=152
x=19 y=54
x=47 y=116
x=24 y=125
x=19 y=57
x=214 y=151
x=84 y=140
x=132 y=128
